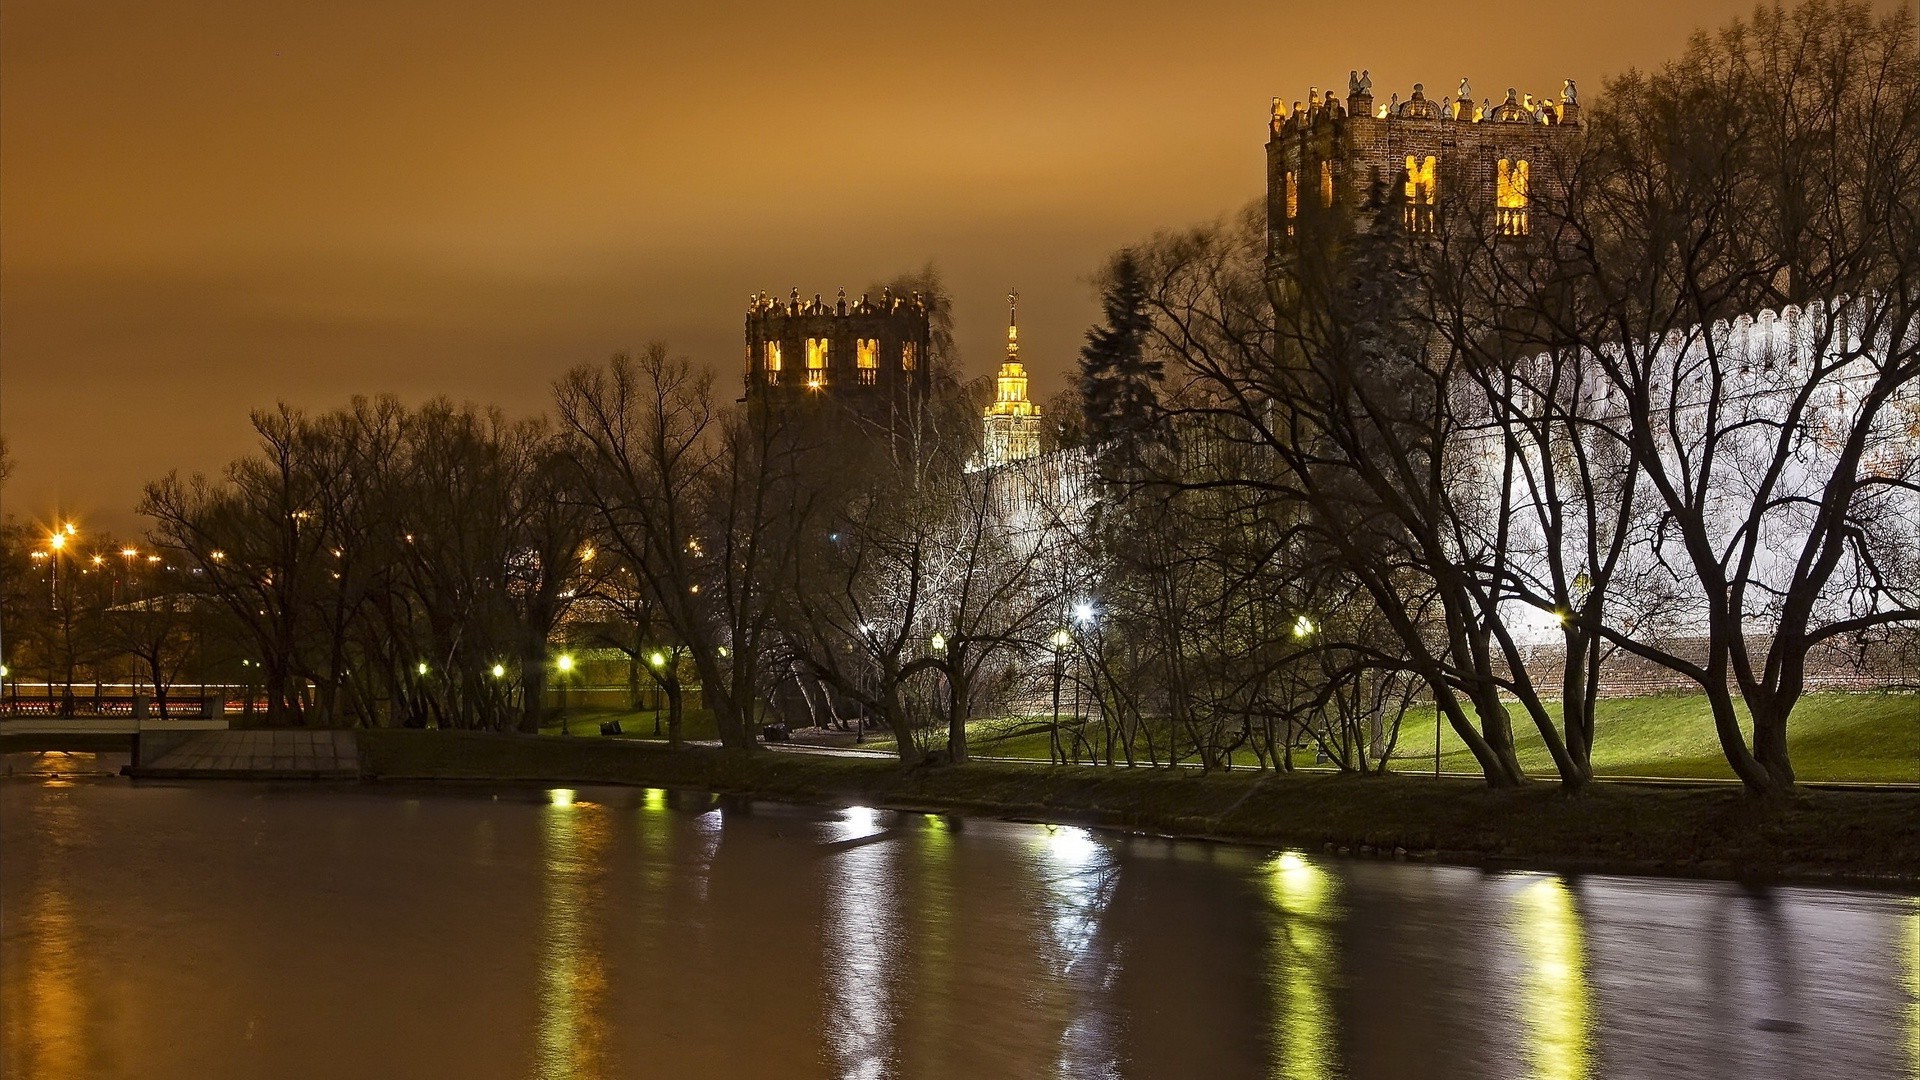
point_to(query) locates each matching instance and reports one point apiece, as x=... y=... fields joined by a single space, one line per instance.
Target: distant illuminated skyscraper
x=1012 y=420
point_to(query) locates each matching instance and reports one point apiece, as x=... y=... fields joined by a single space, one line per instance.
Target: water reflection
x=860 y=945
x=152 y=930
x=572 y=1040
x=1077 y=875
x=1556 y=1008
x=1913 y=985
x=44 y=1012
x=46 y=1019
x=1303 y=965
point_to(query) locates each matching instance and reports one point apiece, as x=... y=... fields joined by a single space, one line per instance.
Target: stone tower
x=869 y=357
x=1012 y=421
x=1498 y=164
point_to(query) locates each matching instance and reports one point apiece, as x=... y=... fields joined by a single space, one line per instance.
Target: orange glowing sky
x=209 y=205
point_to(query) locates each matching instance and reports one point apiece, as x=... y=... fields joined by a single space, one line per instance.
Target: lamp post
x=1060 y=640
x=56 y=543
x=565 y=666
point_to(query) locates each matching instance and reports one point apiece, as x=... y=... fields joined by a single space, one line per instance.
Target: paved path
x=256 y=755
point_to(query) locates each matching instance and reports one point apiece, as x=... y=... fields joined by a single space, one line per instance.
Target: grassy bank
x=1873 y=737
x=1862 y=737
x=1840 y=835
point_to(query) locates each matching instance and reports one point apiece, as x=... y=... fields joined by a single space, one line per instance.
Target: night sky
x=209 y=206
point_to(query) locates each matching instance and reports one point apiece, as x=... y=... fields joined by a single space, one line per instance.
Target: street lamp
x=564 y=664
x=1059 y=640
x=939 y=642
x=1303 y=627
x=1083 y=613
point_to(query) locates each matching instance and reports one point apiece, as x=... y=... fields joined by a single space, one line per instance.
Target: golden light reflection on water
x=1558 y=1014
x=45 y=1012
x=47 y=1019
x=1303 y=966
x=572 y=1040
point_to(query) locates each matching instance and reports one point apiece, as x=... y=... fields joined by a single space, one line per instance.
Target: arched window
x=1326 y=183
x=772 y=362
x=909 y=355
x=1293 y=199
x=1510 y=198
x=866 y=360
x=1422 y=192
x=816 y=362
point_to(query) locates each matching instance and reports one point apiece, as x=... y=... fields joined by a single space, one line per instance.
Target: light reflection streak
x=1303 y=966
x=858 y=937
x=573 y=982
x=1913 y=986
x=930 y=1047
x=1079 y=877
x=45 y=1025
x=1558 y=1015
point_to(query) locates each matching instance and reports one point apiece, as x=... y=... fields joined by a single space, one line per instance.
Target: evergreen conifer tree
x=1118 y=380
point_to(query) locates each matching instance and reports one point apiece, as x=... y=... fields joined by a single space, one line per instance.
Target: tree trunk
x=958 y=706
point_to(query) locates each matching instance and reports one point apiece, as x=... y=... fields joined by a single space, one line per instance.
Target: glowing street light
x=1060 y=639
x=1083 y=612
x=1303 y=626
x=564 y=663
x=657 y=659
x=499 y=671
x=422 y=668
x=939 y=642
x=57 y=541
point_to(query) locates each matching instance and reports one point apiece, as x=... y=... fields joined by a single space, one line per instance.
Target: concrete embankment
x=247 y=755
x=1861 y=837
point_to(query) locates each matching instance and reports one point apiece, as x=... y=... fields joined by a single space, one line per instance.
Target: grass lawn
x=1831 y=736
x=1834 y=736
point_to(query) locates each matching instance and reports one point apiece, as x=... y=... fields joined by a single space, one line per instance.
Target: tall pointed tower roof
x=1010 y=390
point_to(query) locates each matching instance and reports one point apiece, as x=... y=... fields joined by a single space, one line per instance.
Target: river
x=252 y=930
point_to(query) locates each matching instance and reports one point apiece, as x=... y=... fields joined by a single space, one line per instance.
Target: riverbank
x=1852 y=836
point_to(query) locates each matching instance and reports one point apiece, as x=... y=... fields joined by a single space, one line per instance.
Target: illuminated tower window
x=1293 y=199
x=909 y=356
x=816 y=362
x=867 y=360
x=773 y=363
x=1326 y=183
x=1421 y=192
x=1510 y=201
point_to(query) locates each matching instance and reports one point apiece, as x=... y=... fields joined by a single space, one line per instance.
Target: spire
x=1013 y=325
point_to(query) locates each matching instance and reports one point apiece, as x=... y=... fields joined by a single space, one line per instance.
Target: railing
x=111 y=699
x=1511 y=220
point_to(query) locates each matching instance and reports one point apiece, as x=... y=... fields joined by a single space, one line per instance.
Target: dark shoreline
x=1855 y=838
